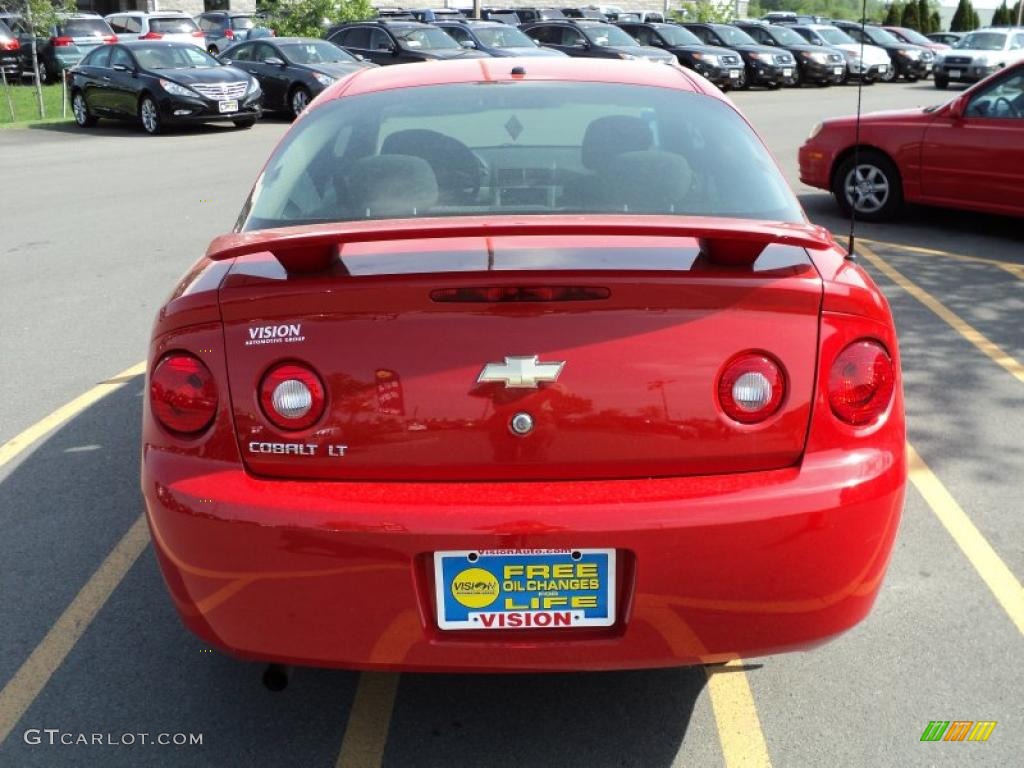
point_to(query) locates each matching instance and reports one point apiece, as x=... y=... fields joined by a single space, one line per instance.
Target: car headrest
x=647 y=182
x=613 y=135
x=452 y=161
x=384 y=186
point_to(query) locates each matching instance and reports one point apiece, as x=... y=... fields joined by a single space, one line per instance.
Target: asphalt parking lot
x=98 y=225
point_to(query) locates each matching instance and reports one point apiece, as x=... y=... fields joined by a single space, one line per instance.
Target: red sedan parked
x=522 y=365
x=967 y=153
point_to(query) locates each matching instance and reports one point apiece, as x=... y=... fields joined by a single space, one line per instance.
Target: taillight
x=229 y=34
x=61 y=42
x=292 y=396
x=861 y=382
x=151 y=36
x=751 y=387
x=110 y=39
x=199 y=33
x=183 y=393
x=10 y=45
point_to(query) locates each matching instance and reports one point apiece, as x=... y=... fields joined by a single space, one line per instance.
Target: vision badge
x=475 y=588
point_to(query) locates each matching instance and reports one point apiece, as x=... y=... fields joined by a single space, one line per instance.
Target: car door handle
x=251 y=71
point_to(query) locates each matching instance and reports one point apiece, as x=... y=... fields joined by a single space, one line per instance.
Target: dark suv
x=721 y=66
x=593 y=39
x=765 y=65
x=530 y=15
x=399 y=42
x=814 y=64
x=912 y=62
x=494 y=38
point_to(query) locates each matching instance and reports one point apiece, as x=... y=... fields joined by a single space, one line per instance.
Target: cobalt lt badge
x=520 y=372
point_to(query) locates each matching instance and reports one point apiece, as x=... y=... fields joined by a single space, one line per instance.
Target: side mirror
x=582 y=45
x=274 y=61
x=358 y=57
x=467 y=44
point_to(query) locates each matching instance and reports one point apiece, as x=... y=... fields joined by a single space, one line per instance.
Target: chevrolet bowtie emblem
x=520 y=372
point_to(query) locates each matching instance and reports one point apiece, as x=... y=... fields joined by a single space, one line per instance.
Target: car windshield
x=314 y=52
x=85 y=28
x=606 y=34
x=733 y=36
x=785 y=36
x=181 y=56
x=678 y=36
x=835 y=36
x=880 y=36
x=420 y=38
x=913 y=36
x=983 y=41
x=503 y=37
x=172 y=25
x=525 y=148
x=5 y=31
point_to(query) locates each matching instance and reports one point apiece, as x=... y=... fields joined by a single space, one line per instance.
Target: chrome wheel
x=149 y=116
x=81 y=111
x=300 y=100
x=44 y=73
x=867 y=188
x=890 y=74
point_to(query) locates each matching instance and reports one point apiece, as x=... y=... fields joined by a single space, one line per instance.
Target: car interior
x=527 y=152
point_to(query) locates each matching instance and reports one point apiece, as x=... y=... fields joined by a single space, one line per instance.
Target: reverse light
x=861 y=383
x=751 y=387
x=183 y=394
x=292 y=396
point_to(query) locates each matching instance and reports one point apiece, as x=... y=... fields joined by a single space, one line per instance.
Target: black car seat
x=457 y=170
x=387 y=186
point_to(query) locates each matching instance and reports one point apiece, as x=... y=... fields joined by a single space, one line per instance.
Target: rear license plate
x=525 y=589
x=837 y=70
x=787 y=73
x=734 y=73
x=228 y=106
x=954 y=74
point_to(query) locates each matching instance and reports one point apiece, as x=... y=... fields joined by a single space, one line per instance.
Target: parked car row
x=75 y=35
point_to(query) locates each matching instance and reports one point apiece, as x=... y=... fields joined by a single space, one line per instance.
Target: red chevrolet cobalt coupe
x=522 y=365
x=967 y=153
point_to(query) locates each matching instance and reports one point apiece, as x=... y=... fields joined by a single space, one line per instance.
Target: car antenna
x=851 y=254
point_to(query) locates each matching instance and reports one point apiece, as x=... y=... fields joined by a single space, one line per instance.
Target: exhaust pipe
x=276 y=677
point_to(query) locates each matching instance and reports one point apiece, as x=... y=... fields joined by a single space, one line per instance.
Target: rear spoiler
x=317 y=247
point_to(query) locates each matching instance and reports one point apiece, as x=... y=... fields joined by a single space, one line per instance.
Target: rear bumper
x=340 y=574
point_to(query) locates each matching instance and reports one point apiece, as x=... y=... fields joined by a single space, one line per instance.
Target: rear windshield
x=85 y=28
x=172 y=25
x=5 y=31
x=242 y=22
x=523 y=148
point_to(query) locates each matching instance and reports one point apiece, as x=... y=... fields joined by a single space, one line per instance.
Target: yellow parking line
x=366 y=734
x=18 y=695
x=22 y=689
x=739 y=727
x=1004 y=585
x=1017 y=270
x=959 y=325
x=20 y=442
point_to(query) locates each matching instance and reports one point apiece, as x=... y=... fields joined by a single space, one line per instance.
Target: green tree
x=961 y=17
x=40 y=16
x=975 y=19
x=935 y=22
x=909 y=18
x=924 y=16
x=310 y=18
x=893 y=15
